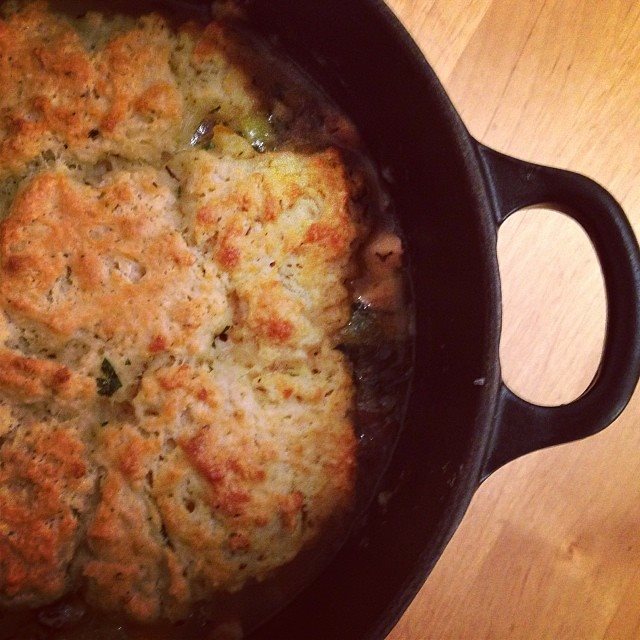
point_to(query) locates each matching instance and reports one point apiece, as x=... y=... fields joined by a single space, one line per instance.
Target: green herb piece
x=109 y=383
x=258 y=131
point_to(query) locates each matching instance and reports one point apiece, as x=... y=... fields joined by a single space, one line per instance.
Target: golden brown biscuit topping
x=174 y=417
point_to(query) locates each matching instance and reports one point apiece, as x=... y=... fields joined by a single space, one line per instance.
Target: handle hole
x=554 y=307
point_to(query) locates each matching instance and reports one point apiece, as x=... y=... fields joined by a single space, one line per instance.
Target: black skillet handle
x=524 y=427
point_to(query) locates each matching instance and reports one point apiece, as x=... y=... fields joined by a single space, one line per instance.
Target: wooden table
x=550 y=548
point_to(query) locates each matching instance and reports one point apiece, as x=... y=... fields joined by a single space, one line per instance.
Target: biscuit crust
x=175 y=419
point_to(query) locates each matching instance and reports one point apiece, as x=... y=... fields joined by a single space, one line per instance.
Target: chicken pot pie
x=175 y=418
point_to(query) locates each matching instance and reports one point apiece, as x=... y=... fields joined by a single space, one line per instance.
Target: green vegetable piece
x=257 y=129
x=363 y=328
x=109 y=383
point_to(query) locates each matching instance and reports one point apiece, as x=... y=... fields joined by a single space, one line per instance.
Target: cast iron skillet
x=452 y=194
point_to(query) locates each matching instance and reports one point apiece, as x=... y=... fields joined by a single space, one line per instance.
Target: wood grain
x=550 y=548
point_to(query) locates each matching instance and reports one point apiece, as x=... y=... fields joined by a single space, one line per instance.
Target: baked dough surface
x=174 y=417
